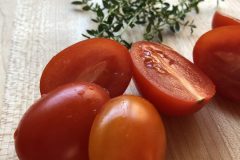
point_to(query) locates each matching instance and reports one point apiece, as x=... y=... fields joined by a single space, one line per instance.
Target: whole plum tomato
x=220 y=19
x=217 y=53
x=57 y=126
x=98 y=60
x=127 y=128
x=172 y=83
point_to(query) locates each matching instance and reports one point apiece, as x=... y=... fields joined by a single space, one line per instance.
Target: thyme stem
x=115 y=17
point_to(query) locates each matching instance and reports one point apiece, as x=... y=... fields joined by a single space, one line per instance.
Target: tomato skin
x=179 y=88
x=217 y=53
x=220 y=19
x=57 y=126
x=98 y=60
x=127 y=128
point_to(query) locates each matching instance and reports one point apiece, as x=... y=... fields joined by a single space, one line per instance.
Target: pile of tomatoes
x=82 y=114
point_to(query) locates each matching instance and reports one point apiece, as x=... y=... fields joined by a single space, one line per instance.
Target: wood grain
x=7 y=13
x=42 y=28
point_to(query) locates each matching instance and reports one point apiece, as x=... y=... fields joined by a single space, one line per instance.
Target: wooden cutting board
x=32 y=31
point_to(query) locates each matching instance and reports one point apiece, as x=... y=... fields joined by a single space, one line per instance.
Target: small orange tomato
x=127 y=128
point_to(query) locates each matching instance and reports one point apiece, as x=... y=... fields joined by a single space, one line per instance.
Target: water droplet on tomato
x=148 y=60
x=146 y=53
x=72 y=152
x=80 y=93
x=157 y=60
x=149 y=65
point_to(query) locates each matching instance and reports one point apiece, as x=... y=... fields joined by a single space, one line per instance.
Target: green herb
x=114 y=17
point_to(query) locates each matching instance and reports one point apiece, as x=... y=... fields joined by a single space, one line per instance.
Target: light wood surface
x=7 y=14
x=32 y=31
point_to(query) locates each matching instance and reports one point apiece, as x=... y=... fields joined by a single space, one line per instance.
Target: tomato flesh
x=168 y=80
x=220 y=19
x=127 y=128
x=217 y=53
x=98 y=60
x=57 y=126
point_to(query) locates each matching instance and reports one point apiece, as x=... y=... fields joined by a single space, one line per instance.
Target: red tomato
x=168 y=80
x=101 y=61
x=127 y=128
x=57 y=126
x=217 y=53
x=220 y=19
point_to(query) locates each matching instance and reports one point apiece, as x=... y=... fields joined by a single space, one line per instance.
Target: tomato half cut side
x=98 y=60
x=217 y=53
x=220 y=19
x=168 y=80
x=57 y=126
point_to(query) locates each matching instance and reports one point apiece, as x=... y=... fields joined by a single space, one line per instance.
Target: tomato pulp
x=217 y=53
x=57 y=126
x=98 y=60
x=220 y=19
x=127 y=128
x=171 y=82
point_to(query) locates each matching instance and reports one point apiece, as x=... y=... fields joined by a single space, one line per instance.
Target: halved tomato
x=220 y=19
x=217 y=53
x=101 y=61
x=168 y=80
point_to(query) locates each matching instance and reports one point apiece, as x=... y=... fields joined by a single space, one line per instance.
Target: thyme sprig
x=114 y=17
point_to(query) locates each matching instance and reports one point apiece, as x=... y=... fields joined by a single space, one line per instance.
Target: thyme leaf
x=114 y=17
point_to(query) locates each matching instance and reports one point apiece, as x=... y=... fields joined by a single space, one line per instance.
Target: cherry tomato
x=171 y=82
x=101 y=61
x=217 y=53
x=220 y=19
x=57 y=126
x=127 y=128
